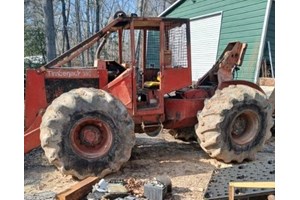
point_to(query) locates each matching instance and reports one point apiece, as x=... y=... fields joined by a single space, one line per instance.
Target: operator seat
x=153 y=84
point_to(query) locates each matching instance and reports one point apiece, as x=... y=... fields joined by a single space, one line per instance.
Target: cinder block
x=154 y=191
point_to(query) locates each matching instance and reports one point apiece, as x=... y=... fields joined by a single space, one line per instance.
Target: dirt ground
x=188 y=166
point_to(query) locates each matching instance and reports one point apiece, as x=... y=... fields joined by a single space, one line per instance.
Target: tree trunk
x=141 y=8
x=92 y=11
x=97 y=21
x=65 y=29
x=97 y=16
x=164 y=6
x=88 y=29
x=49 y=29
x=78 y=27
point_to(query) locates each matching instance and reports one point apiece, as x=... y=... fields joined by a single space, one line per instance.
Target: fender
x=241 y=82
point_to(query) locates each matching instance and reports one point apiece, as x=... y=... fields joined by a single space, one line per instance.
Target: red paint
x=176 y=78
x=195 y=94
x=32 y=135
x=182 y=112
x=91 y=138
x=35 y=98
x=121 y=88
x=90 y=135
x=35 y=104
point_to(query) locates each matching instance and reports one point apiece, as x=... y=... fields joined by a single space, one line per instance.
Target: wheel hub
x=91 y=137
x=244 y=127
x=239 y=126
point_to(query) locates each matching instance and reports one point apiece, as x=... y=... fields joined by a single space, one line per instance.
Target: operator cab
x=158 y=60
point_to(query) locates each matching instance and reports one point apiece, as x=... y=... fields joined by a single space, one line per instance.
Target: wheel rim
x=91 y=138
x=244 y=127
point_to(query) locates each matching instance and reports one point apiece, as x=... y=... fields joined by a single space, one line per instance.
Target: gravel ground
x=188 y=166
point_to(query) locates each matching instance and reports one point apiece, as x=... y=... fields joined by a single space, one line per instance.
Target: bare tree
x=66 y=22
x=66 y=41
x=33 y=13
x=142 y=8
x=88 y=31
x=65 y=26
x=49 y=29
x=97 y=23
x=78 y=26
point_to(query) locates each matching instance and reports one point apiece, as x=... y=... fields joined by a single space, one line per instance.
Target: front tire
x=87 y=132
x=234 y=124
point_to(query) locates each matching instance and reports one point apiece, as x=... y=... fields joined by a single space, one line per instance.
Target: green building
x=215 y=23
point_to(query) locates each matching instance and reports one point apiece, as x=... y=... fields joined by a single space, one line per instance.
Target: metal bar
x=270 y=56
x=262 y=40
x=162 y=53
x=120 y=34
x=188 y=43
x=265 y=67
x=162 y=46
x=144 y=49
x=253 y=184
x=232 y=185
x=76 y=53
x=78 y=47
x=101 y=45
x=169 y=8
x=133 y=65
x=132 y=35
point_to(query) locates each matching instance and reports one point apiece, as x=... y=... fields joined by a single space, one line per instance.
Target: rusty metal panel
x=182 y=112
x=121 y=88
x=175 y=79
x=35 y=96
x=32 y=135
x=35 y=104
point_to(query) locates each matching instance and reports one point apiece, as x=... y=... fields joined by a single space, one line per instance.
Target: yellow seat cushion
x=151 y=84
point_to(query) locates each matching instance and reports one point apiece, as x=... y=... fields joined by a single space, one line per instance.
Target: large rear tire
x=87 y=132
x=234 y=124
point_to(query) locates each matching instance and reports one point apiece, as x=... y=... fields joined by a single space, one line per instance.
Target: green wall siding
x=242 y=20
x=152 y=53
x=271 y=35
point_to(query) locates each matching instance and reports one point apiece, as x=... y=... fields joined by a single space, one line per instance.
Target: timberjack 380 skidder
x=85 y=118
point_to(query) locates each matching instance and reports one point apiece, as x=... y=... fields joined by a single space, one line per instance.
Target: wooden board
x=232 y=185
x=79 y=190
x=264 y=81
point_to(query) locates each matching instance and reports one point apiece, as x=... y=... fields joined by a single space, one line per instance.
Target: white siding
x=205 y=32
